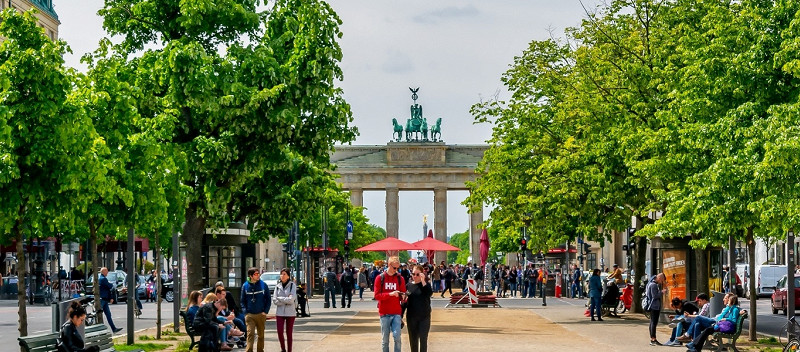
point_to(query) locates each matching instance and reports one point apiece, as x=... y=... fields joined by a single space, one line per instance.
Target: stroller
x=610 y=300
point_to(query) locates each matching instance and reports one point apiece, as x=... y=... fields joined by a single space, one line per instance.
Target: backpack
x=401 y=281
x=646 y=302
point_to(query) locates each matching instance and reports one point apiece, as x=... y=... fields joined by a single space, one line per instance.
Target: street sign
x=349 y=230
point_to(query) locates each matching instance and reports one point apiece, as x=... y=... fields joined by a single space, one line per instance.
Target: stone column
x=440 y=219
x=357 y=197
x=392 y=223
x=475 y=236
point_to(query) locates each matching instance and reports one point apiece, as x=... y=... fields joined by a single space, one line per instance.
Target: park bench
x=731 y=345
x=189 y=329
x=95 y=335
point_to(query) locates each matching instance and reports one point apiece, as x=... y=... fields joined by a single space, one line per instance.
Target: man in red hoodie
x=390 y=289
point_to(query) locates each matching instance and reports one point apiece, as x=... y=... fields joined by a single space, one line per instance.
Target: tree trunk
x=639 y=258
x=751 y=252
x=160 y=288
x=701 y=266
x=22 y=272
x=193 y=232
x=98 y=308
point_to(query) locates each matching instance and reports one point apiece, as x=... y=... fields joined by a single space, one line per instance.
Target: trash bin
x=715 y=304
x=60 y=311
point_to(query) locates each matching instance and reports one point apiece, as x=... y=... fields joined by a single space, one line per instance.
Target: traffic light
x=285 y=247
x=346 y=246
x=523 y=244
x=586 y=247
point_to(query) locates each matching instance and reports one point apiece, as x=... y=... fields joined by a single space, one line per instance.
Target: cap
x=702 y=296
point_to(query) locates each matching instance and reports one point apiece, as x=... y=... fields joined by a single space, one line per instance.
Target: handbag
x=725 y=326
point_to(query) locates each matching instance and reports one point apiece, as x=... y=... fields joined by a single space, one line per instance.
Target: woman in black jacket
x=70 y=339
x=418 y=309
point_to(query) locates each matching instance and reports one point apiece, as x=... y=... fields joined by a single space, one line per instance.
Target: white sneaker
x=672 y=325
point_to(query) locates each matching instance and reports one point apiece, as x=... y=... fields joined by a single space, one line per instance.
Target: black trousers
x=654 y=315
x=418 y=329
x=700 y=340
x=347 y=296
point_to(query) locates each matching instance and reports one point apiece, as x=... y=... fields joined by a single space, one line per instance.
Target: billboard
x=675 y=270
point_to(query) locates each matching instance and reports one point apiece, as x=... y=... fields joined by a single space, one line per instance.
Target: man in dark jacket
x=348 y=284
x=256 y=301
x=207 y=326
x=330 y=288
x=106 y=297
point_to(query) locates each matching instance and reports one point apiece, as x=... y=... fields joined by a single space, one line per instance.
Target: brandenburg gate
x=417 y=163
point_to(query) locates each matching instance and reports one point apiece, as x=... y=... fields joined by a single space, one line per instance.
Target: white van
x=767 y=277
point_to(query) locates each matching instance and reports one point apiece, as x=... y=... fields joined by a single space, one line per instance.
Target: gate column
x=440 y=218
x=392 y=223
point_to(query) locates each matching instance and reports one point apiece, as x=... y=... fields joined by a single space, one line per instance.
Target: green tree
x=252 y=99
x=49 y=150
x=460 y=240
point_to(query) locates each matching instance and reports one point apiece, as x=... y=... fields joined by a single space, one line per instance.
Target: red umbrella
x=389 y=244
x=484 y=247
x=432 y=244
x=430 y=254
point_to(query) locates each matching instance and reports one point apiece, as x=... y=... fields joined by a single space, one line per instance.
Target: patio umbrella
x=432 y=244
x=484 y=250
x=389 y=244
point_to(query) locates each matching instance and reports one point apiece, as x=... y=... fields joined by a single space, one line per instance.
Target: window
x=225 y=264
x=591 y=261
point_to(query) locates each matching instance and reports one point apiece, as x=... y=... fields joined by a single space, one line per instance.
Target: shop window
x=225 y=264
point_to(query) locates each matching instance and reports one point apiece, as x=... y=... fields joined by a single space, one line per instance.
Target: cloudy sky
x=454 y=50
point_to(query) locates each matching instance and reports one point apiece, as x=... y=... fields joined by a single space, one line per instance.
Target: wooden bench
x=719 y=337
x=95 y=335
x=189 y=329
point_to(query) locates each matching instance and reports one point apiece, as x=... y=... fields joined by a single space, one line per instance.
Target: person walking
x=436 y=278
x=106 y=298
x=362 y=282
x=595 y=294
x=302 y=300
x=330 y=288
x=449 y=276
x=285 y=299
x=577 y=291
x=348 y=284
x=256 y=302
x=418 y=309
x=70 y=339
x=654 y=293
x=390 y=289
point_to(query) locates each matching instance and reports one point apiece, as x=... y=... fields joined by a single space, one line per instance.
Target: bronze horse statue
x=398 y=131
x=436 y=130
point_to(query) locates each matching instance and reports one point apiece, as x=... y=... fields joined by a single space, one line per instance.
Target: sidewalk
x=560 y=325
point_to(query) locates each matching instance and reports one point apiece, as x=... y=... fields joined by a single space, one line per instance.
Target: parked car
x=116 y=278
x=767 y=277
x=141 y=280
x=779 y=295
x=271 y=278
x=166 y=291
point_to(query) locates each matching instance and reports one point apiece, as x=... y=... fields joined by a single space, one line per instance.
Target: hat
x=702 y=296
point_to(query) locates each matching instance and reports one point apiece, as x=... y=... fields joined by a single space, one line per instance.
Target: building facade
x=48 y=19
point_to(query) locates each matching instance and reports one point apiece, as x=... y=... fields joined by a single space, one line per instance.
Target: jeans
x=107 y=312
x=678 y=330
x=513 y=289
x=575 y=290
x=223 y=335
x=390 y=323
x=360 y=292
x=437 y=285
x=531 y=288
x=595 y=307
x=698 y=325
x=332 y=293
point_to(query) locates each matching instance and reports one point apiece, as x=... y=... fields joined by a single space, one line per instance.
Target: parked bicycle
x=790 y=342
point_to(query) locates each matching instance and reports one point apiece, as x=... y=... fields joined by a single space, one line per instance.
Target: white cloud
x=450 y=12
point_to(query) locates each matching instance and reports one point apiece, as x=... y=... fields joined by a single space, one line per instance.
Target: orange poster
x=675 y=270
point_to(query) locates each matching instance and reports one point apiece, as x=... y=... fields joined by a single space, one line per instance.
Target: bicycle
x=792 y=342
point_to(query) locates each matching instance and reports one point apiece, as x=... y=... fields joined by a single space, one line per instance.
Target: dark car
x=116 y=278
x=779 y=296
